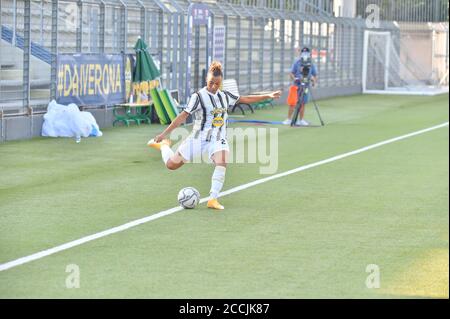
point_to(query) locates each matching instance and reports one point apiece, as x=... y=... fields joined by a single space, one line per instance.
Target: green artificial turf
x=307 y=235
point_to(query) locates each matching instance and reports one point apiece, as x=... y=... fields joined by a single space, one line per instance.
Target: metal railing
x=261 y=41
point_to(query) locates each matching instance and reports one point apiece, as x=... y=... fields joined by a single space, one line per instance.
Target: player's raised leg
x=171 y=160
x=161 y=143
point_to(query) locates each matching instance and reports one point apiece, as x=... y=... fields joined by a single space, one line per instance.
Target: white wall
x=345 y=8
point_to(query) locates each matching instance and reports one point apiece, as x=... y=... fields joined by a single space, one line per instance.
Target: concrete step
x=40 y=94
x=8 y=10
x=17 y=105
x=14 y=84
x=17 y=94
x=36 y=31
x=11 y=90
x=11 y=74
x=11 y=94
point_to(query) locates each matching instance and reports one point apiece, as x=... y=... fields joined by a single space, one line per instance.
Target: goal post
x=389 y=68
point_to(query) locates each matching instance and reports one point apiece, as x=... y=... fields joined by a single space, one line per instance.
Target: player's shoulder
x=223 y=92
x=198 y=93
x=201 y=91
x=228 y=94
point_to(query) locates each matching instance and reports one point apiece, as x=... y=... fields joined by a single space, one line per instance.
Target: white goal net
x=392 y=66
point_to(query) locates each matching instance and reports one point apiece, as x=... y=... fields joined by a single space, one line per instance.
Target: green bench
x=132 y=112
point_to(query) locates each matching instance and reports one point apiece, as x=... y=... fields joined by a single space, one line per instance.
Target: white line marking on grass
x=54 y=250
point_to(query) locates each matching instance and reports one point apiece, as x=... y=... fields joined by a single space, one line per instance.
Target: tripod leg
x=317 y=109
x=296 y=113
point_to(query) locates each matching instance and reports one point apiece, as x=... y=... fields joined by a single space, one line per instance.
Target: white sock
x=217 y=180
x=166 y=153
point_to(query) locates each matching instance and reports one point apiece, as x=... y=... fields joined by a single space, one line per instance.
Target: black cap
x=305 y=49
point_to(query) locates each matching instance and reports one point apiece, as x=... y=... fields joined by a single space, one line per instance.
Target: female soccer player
x=209 y=106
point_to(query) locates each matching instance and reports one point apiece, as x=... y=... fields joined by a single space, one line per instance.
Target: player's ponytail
x=215 y=69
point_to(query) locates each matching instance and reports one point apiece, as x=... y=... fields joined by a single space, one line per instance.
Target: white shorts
x=192 y=148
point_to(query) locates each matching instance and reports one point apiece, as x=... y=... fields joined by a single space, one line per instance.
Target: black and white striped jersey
x=210 y=112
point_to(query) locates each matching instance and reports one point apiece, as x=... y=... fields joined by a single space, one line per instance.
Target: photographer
x=302 y=67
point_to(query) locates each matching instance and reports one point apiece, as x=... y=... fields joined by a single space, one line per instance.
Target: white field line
x=83 y=240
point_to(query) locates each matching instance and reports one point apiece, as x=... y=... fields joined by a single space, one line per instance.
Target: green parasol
x=146 y=69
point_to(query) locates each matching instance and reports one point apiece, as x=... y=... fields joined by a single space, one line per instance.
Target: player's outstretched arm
x=249 y=99
x=180 y=119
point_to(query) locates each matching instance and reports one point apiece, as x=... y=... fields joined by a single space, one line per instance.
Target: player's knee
x=171 y=165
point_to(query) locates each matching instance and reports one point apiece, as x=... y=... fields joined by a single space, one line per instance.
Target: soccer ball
x=188 y=197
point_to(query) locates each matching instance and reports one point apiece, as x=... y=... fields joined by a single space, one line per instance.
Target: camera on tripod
x=305 y=67
x=305 y=63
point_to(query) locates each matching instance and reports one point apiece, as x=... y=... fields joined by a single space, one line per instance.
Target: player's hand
x=159 y=138
x=275 y=95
